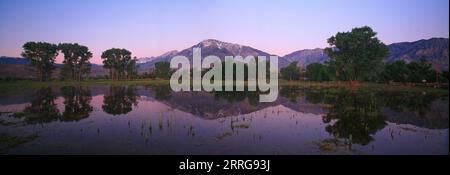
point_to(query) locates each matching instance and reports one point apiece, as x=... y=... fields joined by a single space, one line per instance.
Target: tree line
x=356 y=55
x=420 y=71
x=76 y=65
x=359 y=55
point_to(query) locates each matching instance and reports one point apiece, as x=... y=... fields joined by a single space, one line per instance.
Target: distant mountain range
x=212 y=47
x=18 y=67
x=13 y=60
x=434 y=49
x=307 y=56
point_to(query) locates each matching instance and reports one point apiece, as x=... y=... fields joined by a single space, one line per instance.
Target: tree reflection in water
x=354 y=117
x=43 y=108
x=290 y=92
x=119 y=100
x=162 y=92
x=351 y=118
x=422 y=109
x=77 y=103
x=238 y=96
x=418 y=102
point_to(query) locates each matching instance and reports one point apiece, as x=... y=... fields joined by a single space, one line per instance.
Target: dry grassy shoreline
x=6 y=86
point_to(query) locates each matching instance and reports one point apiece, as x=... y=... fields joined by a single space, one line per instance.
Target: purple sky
x=150 y=28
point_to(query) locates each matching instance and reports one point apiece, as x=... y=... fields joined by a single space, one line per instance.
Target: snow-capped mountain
x=434 y=49
x=212 y=47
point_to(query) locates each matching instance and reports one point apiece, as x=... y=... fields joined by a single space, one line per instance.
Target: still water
x=155 y=120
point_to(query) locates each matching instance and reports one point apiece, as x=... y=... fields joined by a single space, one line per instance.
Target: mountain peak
x=218 y=44
x=210 y=40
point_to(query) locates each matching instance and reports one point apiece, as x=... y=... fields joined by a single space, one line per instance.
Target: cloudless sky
x=152 y=27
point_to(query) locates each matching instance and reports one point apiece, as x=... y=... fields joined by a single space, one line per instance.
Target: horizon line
x=153 y=56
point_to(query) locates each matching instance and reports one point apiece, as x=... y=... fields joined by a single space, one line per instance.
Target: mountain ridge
x=434 y=49
x=214 y=47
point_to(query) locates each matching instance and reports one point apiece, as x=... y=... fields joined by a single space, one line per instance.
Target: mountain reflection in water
x=155 y=120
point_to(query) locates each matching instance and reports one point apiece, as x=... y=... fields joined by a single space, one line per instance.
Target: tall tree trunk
x=110 y=74
x=73 y=74
x=40 y=74
x=80 y=72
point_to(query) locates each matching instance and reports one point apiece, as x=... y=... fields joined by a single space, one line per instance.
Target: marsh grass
x=8 y=142
x=7 y=86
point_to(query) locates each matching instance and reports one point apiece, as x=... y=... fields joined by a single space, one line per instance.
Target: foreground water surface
x=155 y=120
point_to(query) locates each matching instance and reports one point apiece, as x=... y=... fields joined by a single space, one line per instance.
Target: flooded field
x=107 y=119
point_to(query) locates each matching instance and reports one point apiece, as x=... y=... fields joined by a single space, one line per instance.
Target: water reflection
x=228 y=122
x=119 y=100
x=238 y=96
x=418 y=108
x=43 y=108
x=290 y=92
x=421 y=109
x=77 y=103
x=354 y=117
x=162 y=92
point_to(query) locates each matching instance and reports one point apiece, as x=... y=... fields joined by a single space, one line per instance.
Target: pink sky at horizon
x=97 y=59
